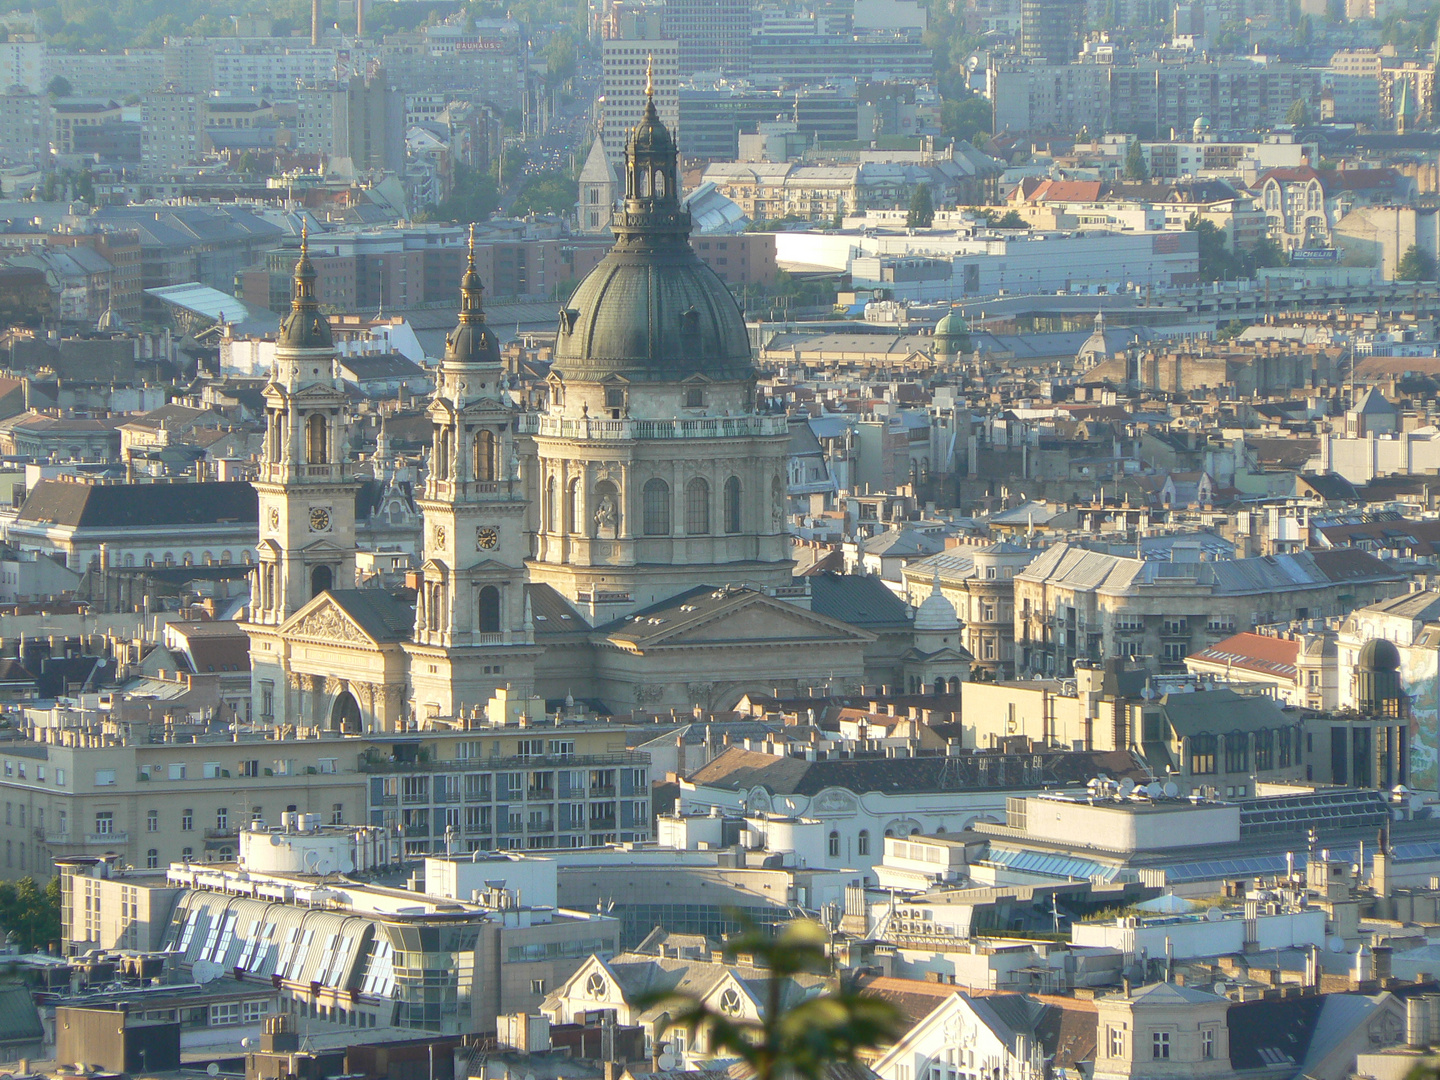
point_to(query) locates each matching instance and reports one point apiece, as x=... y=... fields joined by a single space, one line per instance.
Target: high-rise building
x=360 y=119
x=630 y=65
x=172 y=130
x=713 y=35
x=1050 y=29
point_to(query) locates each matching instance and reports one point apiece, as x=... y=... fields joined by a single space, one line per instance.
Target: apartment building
x=508 y=786
x=84 y=785
x=172 y=130
x=24 y=126
x=1075 y=604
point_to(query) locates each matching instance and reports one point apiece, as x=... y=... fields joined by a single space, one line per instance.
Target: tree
x=966 y=118
x=1299 y=114
x=546 y=193
x=1011 y=219
x=1415 y=265
x=59 y=87
x=1217 y=261
x=922 y=210
x=31 y=913
x=1135 y=167
x=799 y=1041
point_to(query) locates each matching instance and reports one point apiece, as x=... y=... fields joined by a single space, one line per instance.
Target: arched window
x=655 y=497
x=697 y=507
x=188 y=559
x=659 y=183
x=644 y=183
x=321 y=579
x=552 y=504
x=316 y=440
x=572 y=505
x=152 y=859
x=732 y=505
x=862 y=842
x=489 y=610
x=834 y=844
x=485 y=455
x=440 y=463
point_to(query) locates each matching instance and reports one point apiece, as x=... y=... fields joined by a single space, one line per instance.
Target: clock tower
x=306 y=491
x=473 y=627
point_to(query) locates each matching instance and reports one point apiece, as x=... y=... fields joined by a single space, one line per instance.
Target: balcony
x=536 y=794
x=226 y=833
x=495 y=761
x=711 y=427
x=417 y=830
x=107 y=838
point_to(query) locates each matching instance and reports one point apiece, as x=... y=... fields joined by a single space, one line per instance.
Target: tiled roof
x=1254 y=652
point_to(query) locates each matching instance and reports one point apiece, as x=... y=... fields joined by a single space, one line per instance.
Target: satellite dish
x=1222 y=988
x=212 y=1069
x=1335 y=944
x=667 y=1062
x=206 y=971
x=245 y=1042
x=1092 y=784
x=1126 y=787
x=1171 y=789
x=1213 y=914
x=1153 y=789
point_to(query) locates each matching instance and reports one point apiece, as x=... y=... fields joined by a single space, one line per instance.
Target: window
x=59 y=777
x=697 y=507
x=1160 y=1045
x=252 y=1012
x=250 y=768
x=210 y=770
x=1202 y=754
x=187 y=819
x=222 y=819
x=732 y=505
x=615 y=398
x=187 y=853
x=1207 y=1043
x=834 y=845
x=1264 y=749
x=337 y=813
x=152 y=821
x=655 y=498
x=1237 y=752
x=176 y=771
x=104 y=823
x=1129 y=623
x=1117 y=1041
x=225 y=1013
x=1174 y=652
x=327 y=764
x=152 y=859
x=103 y=777
x=694 y=397
x=489 y=610
x=485 y=456
x=862 y=842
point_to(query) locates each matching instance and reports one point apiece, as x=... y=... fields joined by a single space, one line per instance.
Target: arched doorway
x=322 y=578
x=345 y=715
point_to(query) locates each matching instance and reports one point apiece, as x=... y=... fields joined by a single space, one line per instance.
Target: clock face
x=440 y=536
x=487 y=536
x=319 y=519
x=274 y=517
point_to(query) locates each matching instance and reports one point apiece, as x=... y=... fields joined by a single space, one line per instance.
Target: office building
x=629 y=66
x=1050 y=29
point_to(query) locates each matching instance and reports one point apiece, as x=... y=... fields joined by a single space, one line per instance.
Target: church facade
x=625 y=543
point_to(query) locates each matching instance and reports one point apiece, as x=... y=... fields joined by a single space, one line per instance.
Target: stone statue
x=606 y=517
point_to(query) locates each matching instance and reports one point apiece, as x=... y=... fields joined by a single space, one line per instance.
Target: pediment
x=323 y=547
x=324 y=620
x=316 y=392
x=758 y=619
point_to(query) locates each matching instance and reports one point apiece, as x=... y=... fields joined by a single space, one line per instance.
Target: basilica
x=625 y=543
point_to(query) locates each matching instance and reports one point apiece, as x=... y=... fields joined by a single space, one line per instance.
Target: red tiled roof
x=1254 y=652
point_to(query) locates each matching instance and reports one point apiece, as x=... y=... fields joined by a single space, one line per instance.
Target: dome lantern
x=305 y=327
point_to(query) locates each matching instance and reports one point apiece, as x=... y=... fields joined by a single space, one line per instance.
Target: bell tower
x=306 y=493
x=473 y=628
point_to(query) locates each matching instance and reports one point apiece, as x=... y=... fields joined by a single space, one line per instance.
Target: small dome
x=1377 y=654
x=935 y=613
x=1202 y=124
x=952 y=324
x=304 y=327
x=472 y=341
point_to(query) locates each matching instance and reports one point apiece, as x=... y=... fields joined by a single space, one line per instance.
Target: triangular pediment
x=317 y=392
x=323 y=547
x=751 y=618
x=322 y=619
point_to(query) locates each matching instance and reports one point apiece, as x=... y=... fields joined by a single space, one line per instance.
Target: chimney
x=314 y=22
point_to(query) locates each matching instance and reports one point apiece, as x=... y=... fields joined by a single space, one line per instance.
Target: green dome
x=952 y=324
